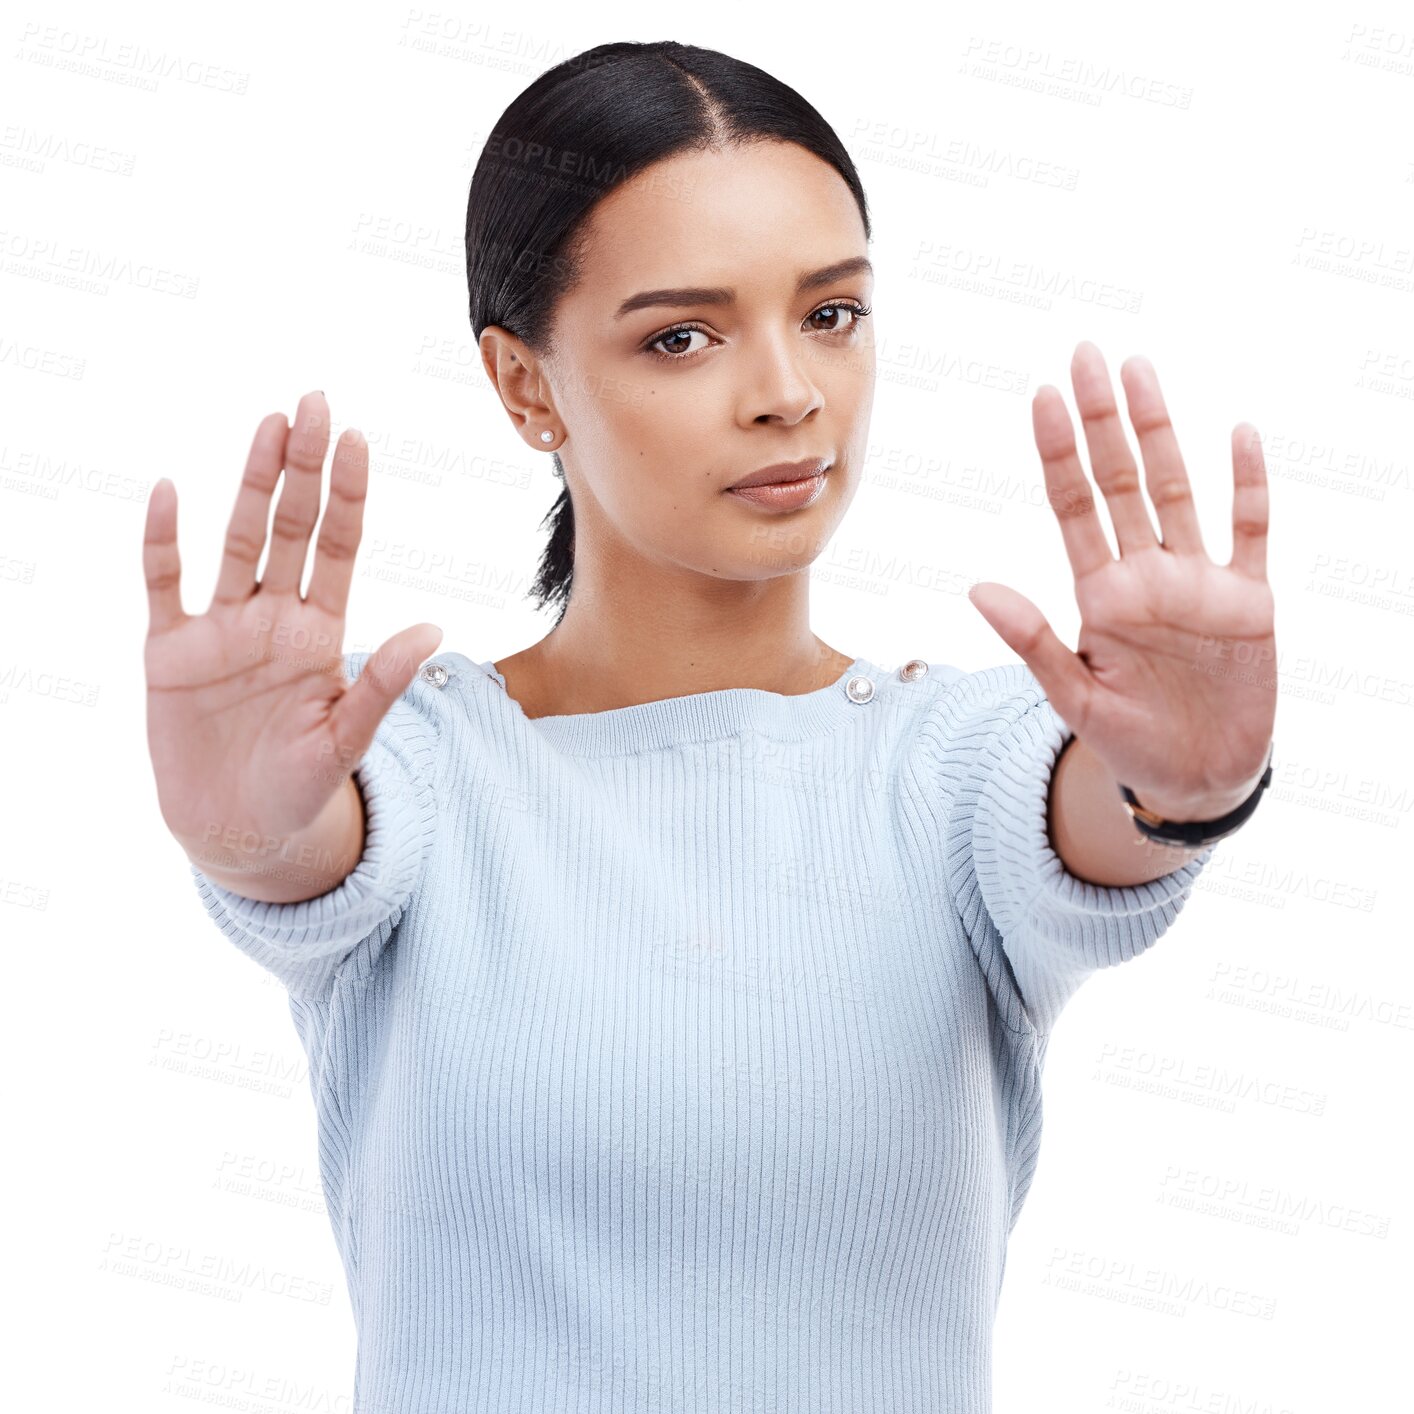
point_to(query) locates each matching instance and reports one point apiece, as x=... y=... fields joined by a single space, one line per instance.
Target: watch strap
x=1196 y=832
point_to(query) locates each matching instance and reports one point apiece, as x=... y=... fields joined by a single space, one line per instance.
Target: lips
x=782 y=495
x=780 y=473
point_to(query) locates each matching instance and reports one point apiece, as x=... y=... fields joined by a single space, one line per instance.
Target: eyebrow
x=720 y=294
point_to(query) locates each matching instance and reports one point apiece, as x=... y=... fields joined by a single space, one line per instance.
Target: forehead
x=752 y=217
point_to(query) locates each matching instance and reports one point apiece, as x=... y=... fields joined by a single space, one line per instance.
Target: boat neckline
x=692 y=717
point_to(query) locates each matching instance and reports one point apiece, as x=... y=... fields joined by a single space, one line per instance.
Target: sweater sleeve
x=304 y=944
x=1037 y=929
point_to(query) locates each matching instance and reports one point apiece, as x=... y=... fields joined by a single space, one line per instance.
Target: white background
x=209 y=211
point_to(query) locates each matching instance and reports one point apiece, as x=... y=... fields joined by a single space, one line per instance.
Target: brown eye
x=837 y=310
x=674 y=338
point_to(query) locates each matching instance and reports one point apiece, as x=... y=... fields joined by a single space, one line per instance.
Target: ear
x=518 y=376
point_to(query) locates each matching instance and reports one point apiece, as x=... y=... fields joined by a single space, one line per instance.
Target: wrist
x=1195 y=808
x=1198 y=820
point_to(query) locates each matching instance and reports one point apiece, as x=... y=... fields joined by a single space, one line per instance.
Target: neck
x=575 y=668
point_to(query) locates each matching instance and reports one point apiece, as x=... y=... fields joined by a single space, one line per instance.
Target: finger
x=342 y=526
x=1067 y=486
x=1250 y=502
x=161 y=564
x=245 y=532
x=1164 y=472
x=298 y=506
x=1063 y=675
x=385 y=677
x=1111 y=461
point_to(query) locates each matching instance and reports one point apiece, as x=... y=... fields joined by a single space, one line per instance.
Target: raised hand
x=251 y=724
x=1174 y=681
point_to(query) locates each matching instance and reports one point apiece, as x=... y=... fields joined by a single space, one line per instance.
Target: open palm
x=1173 y=684
x=251 y=724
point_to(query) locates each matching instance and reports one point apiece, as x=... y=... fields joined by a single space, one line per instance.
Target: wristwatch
x=1195 y=832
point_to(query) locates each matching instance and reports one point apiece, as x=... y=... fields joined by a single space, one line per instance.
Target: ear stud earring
x=547 y=436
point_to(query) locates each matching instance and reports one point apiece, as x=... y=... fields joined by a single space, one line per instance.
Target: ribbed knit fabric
x=686 y=1056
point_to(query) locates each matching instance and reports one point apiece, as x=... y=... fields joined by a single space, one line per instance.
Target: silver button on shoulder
x=912 y=670
x=859 y=688
x=434 y=673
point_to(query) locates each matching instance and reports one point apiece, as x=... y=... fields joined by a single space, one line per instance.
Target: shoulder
x=956 y=692
x=969 y=725
x=419 y=717
x=948 y=698
x=966 y=709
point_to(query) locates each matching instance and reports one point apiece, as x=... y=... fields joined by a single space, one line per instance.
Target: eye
x=859 y=312
x=681 y=331
x=677 y=353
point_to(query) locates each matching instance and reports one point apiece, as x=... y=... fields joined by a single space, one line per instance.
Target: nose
x=779 y=384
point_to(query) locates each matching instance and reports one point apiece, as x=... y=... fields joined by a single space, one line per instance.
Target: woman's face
x=715 y=331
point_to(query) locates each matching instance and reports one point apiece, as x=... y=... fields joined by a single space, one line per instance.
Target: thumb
x=384 y=679
x=1063 y=676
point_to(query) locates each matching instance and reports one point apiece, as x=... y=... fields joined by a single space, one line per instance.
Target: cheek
x=654 y=473
x=664 y=436
x=850 y=383
x=658 y=409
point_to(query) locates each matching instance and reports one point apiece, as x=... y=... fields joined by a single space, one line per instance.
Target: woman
x=676 y=1018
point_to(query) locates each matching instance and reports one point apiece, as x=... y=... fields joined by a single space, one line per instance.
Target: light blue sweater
x=686 y=1056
